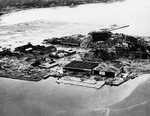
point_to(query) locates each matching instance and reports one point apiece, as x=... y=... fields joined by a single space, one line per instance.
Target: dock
x=115 y=28
x=97 y=85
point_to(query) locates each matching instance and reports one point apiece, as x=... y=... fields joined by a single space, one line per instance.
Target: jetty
x=96 y=85
x=114 y=27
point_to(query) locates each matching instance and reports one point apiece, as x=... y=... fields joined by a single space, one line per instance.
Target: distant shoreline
x=31 y=5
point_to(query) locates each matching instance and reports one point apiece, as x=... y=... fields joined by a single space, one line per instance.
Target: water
x=46 y=98
x=37 y=24
x=132 y=12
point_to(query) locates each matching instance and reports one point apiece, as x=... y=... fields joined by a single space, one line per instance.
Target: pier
x=97 y=85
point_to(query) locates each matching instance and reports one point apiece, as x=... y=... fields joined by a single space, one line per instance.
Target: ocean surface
x=47 y=98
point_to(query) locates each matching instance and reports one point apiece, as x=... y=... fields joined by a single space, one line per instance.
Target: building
x=48 y=65
x=100 y=35
x=62 y=53
x=70 y=42
x=122 y=51
x=80 y=66
x=29 y=48
x=91 y=57
x=108 y=70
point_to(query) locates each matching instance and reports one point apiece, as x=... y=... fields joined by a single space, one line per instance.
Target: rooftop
x=71 y=42
x=81 y=65
x=112 y=67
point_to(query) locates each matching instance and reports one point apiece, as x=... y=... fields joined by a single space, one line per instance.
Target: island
x=93 y=60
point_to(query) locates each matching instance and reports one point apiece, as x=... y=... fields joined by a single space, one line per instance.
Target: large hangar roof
x=81 y=65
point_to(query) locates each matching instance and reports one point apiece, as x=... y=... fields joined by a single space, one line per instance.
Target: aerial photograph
x=74 y=58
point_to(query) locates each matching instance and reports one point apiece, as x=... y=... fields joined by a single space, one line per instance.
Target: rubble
x=23 y=63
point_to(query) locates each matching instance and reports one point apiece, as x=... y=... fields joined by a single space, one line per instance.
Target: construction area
x=93 y=60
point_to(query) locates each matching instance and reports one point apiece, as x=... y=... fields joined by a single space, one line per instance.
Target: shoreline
x=26 y=6
x=131 y=86
x=16 y=9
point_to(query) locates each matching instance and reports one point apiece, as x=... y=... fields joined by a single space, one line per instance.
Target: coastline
x=29 y=88
x=11 y=10
x=136 y=102
x=49 y=4
x=131 y=86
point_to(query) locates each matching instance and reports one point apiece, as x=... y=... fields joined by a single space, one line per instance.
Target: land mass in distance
x=7 y=6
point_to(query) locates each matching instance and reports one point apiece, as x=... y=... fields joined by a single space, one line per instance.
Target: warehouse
x=80 y=66
x=108 y=70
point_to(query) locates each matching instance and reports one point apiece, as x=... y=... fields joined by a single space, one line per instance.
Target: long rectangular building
x=80 y=66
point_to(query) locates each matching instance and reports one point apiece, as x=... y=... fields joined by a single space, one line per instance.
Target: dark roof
x=117 y=64
x=70 y=42
x=81 y=65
